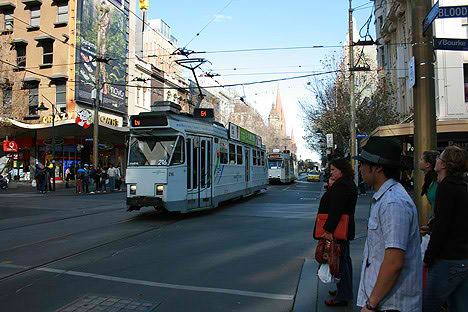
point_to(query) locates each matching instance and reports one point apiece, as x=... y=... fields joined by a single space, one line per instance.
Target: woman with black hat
x=340 y=199
x=446 y=256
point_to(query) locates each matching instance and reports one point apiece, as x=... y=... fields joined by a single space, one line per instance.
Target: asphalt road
x=63 y=252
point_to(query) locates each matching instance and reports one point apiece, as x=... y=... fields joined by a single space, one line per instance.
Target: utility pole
x=425 y=135
x=97 y=100
x=352 y=126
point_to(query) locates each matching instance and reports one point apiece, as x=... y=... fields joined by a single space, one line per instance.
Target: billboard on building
x=114 y=46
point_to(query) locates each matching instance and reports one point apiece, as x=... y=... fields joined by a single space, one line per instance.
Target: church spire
x=279 y=111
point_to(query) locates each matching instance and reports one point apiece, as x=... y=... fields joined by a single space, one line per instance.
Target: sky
x=242 y=24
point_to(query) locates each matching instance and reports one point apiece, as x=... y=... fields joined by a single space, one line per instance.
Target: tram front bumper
x=136 y=202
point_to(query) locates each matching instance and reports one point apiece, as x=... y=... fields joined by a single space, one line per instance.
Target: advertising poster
x=247 y=137
x=114 y=45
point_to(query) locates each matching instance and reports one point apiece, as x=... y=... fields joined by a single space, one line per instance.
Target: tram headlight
x=132 y=189
x=159 y=189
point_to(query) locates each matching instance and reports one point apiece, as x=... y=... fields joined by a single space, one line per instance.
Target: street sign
x=330 y=140
x=451 y=44
x=431 y=16
x=362 y=136
x=453 y=11
x=412 y=72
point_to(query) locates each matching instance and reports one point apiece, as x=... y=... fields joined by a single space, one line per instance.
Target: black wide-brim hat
x=381 y=151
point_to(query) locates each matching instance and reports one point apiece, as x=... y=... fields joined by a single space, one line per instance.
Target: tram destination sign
x=451 y=44
x=148 y=121
x=203 y=113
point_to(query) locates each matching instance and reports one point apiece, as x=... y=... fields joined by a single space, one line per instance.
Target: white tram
x=282 y=167
x=181 y=162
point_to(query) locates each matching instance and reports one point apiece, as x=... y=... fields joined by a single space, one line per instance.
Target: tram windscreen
x=151 y=150
x=274 y=163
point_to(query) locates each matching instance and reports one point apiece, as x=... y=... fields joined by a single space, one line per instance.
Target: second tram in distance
x=282 y=167
x=182 y=162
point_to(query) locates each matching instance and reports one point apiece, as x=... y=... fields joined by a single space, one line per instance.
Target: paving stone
x=94 y=303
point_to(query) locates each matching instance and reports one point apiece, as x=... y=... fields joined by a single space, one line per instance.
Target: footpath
x=311 y=292
x=60 y=189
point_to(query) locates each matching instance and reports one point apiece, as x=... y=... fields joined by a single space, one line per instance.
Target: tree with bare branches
x=13 y=97
x=327 y=108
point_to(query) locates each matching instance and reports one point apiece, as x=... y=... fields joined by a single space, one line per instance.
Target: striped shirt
x=393 y=223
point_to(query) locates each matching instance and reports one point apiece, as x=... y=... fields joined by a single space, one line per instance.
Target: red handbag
x=341 y=231
x=329 y=252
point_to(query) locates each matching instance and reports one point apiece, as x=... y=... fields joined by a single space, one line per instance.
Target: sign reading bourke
x=10 y=146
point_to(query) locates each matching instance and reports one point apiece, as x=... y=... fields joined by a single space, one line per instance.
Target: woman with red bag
x=339 y=199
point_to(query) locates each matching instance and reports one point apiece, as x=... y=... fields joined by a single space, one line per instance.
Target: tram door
x=247 y=166
x=199 y=171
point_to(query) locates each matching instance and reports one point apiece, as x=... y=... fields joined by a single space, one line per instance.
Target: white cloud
x=222 y=17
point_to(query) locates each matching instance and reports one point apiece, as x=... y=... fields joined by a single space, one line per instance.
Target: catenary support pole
x=425 y=135
x=97 y=100
x=352 y=126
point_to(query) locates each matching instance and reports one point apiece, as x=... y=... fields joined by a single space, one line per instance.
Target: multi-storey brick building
x=48 y=53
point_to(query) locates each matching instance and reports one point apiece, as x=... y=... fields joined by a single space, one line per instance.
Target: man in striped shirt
x=391 y=276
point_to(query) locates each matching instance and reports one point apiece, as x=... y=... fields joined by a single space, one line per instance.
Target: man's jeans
x=112 y=184
x=447 y=281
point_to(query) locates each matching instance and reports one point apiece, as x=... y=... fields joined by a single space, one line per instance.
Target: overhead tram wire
x=229 y=85
x=211 y=21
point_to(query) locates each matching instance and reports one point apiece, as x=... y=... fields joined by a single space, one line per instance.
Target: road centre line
x=156 y=284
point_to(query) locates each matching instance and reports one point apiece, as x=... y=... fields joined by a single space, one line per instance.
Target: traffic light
x=144 y=5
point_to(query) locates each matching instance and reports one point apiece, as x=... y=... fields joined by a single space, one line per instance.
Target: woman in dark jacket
x=446 y=256
x=339 y=199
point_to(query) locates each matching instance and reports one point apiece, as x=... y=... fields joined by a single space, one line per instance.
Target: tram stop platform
x=311 y=292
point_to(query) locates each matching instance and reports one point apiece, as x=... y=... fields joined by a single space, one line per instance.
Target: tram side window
x=178 y=155
x=232 y=154
x=254 y=157
x=239 y=155
x=263 y=158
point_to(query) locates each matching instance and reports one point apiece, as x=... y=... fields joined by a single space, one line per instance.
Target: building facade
x=51 y=48
x=394 y=36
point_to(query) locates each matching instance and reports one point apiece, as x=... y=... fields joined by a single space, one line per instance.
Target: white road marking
x=156 y=284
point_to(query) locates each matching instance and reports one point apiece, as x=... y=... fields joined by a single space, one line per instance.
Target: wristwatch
x=371 y=308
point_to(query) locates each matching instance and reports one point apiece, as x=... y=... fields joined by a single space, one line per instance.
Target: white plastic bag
x=324 y=274
x=425 y=241
x=33 y=183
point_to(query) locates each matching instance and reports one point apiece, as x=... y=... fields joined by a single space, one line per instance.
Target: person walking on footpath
x=79 y=180
x=339 y=199
x=41 y=178
x=85 y=178
x=92 y=179
x=427 y=164
x=391 y=274
x=104 y=178
x=446 y=256
x=112 y=173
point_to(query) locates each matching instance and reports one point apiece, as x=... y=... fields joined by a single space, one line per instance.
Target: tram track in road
x=59 y=219
x=85 y=250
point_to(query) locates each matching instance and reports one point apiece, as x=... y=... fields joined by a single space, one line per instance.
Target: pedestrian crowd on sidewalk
x=88 y=180
x=395 y=257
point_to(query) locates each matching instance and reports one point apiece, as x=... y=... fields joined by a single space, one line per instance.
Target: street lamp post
x=54 y=109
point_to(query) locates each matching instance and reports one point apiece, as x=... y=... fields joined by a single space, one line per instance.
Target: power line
x=229 y=85
x=62 y=41
x=198 y=33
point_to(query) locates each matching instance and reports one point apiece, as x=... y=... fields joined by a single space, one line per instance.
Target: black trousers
x=345 y=285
